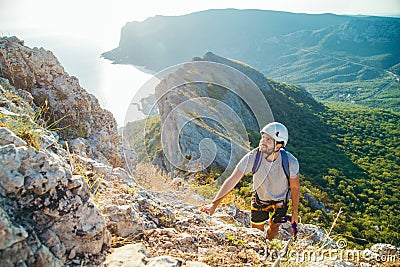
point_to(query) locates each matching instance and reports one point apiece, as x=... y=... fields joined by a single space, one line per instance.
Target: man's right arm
x=226 y=187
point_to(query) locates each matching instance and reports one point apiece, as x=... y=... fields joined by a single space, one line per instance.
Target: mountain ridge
x=251 y=19
x=314 y=51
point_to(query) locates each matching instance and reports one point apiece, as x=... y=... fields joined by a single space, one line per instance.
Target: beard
x=266 y=150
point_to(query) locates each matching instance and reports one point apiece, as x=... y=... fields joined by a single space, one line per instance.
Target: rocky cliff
x=48 y=216
x=210 y=109
x=64 y=201
x=206 y=109
x=77 y=113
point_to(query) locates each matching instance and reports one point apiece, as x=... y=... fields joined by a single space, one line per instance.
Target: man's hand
x=295 y=223
x=226 y=187
x=295 y=218
x=209 y=208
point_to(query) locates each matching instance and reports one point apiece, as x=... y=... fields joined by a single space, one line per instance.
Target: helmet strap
x=276 y=150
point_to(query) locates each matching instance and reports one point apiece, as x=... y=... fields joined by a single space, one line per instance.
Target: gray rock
x=57 y=218
x=9 y=233
x=164 y=261
x=384 y=249
x=7 y=137
x=330 y=263
x=127 y=256
x=123 y=220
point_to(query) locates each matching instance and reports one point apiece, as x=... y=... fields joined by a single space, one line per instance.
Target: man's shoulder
x=293 y=165
x=245 y=165
x=251 y=153
x=250 y=156
x=291 y=158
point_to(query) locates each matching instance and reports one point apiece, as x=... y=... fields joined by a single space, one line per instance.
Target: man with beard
x=276 y=179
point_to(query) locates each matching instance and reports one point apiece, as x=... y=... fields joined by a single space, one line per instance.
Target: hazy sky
x=95 y=18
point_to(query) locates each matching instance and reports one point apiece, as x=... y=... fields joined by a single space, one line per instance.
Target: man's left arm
x=295 y=193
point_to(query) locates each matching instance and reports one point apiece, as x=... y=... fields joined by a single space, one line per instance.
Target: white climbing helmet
x=278 y=131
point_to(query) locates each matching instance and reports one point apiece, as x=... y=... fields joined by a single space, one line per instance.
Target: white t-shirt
x=270 y=180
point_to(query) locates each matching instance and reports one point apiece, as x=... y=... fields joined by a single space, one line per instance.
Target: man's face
x=267 y=144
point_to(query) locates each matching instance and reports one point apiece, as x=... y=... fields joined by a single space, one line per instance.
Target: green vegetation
x=371 y=139
x=26 y=122
x=234 y=240
x=146 y=137
x=377 y=93
x=23 y=127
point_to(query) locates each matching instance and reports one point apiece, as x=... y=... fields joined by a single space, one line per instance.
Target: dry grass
x=27 y=123
x=150 y=177
x=93 y=179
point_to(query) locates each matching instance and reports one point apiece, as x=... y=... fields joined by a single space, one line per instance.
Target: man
x=271 y=189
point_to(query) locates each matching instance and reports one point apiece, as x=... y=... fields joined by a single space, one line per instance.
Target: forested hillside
x=371 y=139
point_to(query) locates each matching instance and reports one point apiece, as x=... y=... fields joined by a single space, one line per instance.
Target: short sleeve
x=245 y=165
x=294 y=166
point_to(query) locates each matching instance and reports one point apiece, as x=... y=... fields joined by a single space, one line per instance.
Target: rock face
x=47 y=215
x=207 y=107
x=369 y=32
x=257 y=77
x=77 y=113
